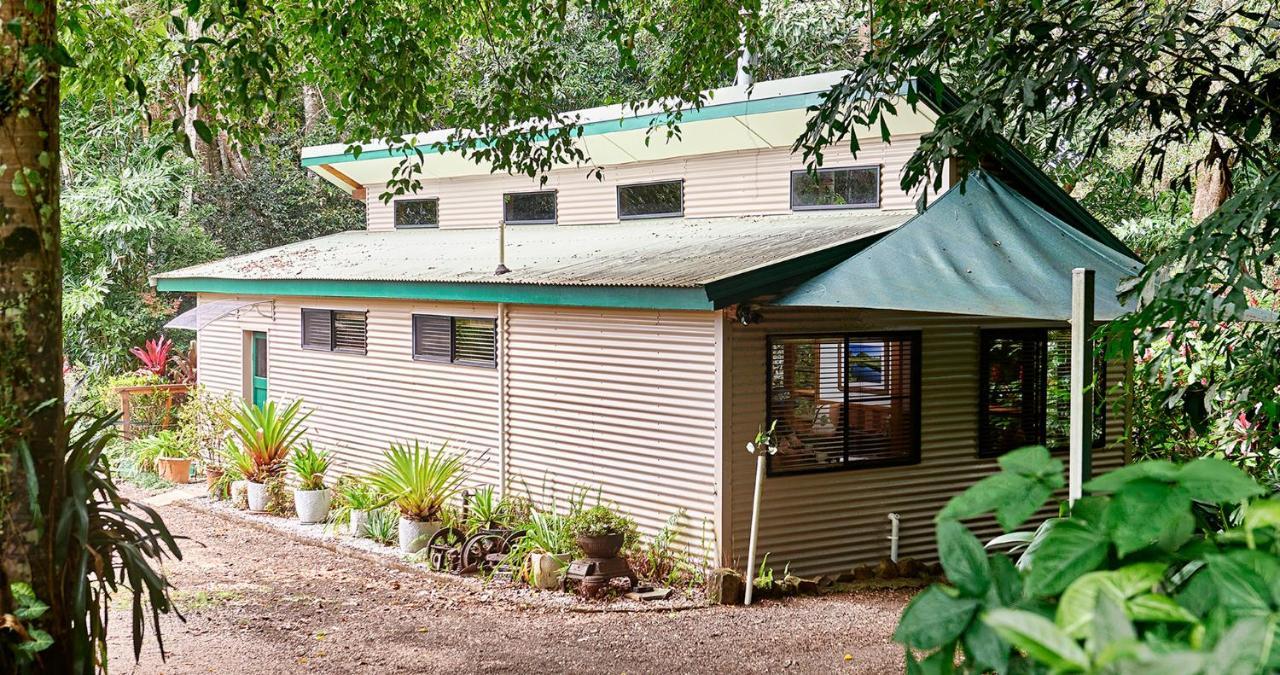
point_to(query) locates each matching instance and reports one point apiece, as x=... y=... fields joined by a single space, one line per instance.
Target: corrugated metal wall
x=826 y=522
x=619 y=400
x=751 y=182
x=362 y=402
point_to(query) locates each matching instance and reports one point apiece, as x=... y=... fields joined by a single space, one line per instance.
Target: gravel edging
x=518 y=596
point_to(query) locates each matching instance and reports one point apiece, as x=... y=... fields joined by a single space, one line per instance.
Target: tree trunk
x=1213 y=182
x=312 y=108
x=31 y=406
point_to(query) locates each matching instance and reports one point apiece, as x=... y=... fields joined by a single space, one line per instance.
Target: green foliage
x=267 y=434
x=27 y=612
x=660 y=558
x=96 y=524
x=310 y=465
x=279 y=497
x=202 y=424
x=419 y=481
x=352 y=493
x=601 y=520
x=1163 y=565
x=146 y=451
x=383 y=526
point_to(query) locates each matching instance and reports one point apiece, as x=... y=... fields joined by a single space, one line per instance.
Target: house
x=653 y=321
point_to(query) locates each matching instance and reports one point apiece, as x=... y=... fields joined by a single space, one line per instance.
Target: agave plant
x=419 y=481
x=310 y=465
x=267 y=434
x=154 y=355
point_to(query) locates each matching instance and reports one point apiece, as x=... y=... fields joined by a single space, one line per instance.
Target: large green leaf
x=1161 y=608
x=1156 y=469
x=1143 y=511
x=1039 y=638
x=1034 y=462
x=933 y=619
x=1078 y=603
x=988 y=651
x=1239 y=587
x=1012 y=497
x=1006 y=582
x=1217 y=481
x=963 y=559
x=1110 y=625
x=1066 y=551
x=1240 y=650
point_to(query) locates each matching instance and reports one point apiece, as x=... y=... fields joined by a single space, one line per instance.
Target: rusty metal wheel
x=444 y=550
x=475 y=553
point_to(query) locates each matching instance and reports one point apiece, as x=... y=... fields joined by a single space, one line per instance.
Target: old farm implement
x=477 y=542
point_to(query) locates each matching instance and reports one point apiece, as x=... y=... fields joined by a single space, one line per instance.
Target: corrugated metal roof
x=678 y=253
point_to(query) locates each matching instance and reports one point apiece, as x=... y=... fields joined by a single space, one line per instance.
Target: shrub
x=419 y=481
x=661 y=559
x=352 y=493
x=144 y=452
x=1163 y=567
x=383 y=526
x=601 y=520
x=202 y=424
x=267 y=434
x=310 y=466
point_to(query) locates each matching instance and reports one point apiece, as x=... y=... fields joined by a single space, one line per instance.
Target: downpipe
x=894 y=521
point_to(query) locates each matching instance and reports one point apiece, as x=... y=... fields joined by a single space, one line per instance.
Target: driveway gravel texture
x=260 y=602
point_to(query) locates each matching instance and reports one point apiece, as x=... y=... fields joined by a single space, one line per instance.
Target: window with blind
x=461 y=340
x=844 y=401
x=1024 y=395
x=335 y=330
x=411 y=213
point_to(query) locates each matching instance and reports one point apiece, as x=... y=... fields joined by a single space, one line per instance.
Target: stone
x=887 y=569
x=846 y=577
x=864 y=573
x=911 y=568
x=826 y=581
x=808 y=585
x=935 y=570
x=725 y=586
x=651 y=594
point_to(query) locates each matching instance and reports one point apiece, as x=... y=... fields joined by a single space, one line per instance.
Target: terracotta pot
x=174 y=469
x=602 y=546
x=212 y=474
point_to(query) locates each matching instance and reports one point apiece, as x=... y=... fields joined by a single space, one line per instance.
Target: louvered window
x=455 y=339
x=1025 y=391
x=334 y=330
x=844 y=401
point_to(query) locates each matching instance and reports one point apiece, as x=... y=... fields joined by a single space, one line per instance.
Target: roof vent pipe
x=502 y=249
x=745 y=58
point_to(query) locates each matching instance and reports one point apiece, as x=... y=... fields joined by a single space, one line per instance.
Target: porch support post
x=1080 y=462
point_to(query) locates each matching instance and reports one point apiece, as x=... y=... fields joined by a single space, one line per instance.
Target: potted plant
x=202 y=427
x=238 y=465
x=311 y=498
x=267 y=435
x=418 y=482
x=601 y=532
x=356 y=499
x=545 y=549
x=173 y=462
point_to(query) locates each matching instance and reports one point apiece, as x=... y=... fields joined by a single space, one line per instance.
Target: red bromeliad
x=154 y=355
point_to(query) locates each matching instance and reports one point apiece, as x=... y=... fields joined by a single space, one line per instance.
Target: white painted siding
x=751 y=182
x=362 y=402
x=619 y=400
x=828 y=522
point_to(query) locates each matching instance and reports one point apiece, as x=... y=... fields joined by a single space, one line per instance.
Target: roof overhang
x=769 y=115
x=984 y=250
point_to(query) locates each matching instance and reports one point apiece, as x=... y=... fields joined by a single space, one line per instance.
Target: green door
x=259 y=363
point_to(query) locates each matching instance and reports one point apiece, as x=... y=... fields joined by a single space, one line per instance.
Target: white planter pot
x=547 y=569
x=257 y=496
x=414 y=534
x=238 y=487
x=312 y=505
x=355 y=526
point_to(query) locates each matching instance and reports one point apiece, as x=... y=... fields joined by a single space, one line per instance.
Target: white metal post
x=755 y=525
x=1080 y=466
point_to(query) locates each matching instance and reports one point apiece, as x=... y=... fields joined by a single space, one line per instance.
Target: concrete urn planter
x=547 y=569
x=174 y=469
x=312 y=505
x=415 y=533
x=355 y=526
x=239 y=487
x=257 y=496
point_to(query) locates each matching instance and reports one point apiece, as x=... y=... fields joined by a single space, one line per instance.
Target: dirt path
x=259 y=603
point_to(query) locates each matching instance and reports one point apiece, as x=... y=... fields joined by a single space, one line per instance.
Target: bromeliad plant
x=154 y=355
x=1162 y=568
x=419 y=481
x=267 y=435
x=310 y=465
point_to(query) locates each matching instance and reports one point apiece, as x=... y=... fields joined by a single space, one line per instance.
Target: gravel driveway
x=260 y=603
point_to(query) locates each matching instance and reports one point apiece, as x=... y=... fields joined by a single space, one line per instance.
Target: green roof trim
x=711 y=111
x=771 y=279
x=634 y=297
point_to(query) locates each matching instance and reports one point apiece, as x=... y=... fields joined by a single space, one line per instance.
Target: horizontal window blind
x=350 y=332
x=432 y=338
x=317 y=329
x=455 y=339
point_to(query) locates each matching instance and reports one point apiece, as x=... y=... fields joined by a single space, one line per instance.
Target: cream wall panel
x=617 y=400
x=362 y=402
x=750 y=182
x=828 y=522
